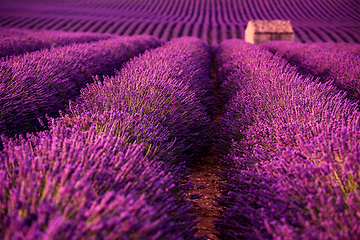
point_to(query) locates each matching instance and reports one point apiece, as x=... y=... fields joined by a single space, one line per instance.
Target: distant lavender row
x=68 y=183
x=212 y=21
x=339 y=47
x=322 y=60
x=293 y=166
x=16 y=41
x=43 y=82
x=167 y=91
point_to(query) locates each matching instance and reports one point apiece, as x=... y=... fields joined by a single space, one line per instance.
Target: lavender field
x=108 y=108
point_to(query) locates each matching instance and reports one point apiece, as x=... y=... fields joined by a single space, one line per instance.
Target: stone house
x=260 y=31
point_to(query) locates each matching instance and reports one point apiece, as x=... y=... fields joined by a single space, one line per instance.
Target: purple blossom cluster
x=43 y=82
x=169 y=88
x=19 y=41
x=68 y=183
x=336 y=63
x=291 y=146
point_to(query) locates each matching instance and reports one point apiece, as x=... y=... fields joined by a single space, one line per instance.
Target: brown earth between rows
x=205 y=174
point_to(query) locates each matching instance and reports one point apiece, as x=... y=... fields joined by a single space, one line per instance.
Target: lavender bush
x=168 y=86
x=329 y=64
x=43 y=82
x=293 y=160
x=68 y=183
x=19 y=41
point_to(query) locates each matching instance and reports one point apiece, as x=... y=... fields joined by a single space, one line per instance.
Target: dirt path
x=206 y=183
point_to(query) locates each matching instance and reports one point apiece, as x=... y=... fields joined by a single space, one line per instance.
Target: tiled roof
x=271 y=26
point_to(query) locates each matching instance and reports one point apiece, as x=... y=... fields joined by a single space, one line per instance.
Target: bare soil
x=204 y=176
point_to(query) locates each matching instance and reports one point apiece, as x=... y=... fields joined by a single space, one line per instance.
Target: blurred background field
x=211 y=20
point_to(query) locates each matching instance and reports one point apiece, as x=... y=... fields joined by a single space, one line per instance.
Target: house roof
x=271 y=26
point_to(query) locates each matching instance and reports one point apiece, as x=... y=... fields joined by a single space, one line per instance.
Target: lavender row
x=330 y=64
x=68 y=183
x=293 y=147
x=93 y=156
x=167 y=91
x=339 y=47
x=43 y=82
x=16 y=41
